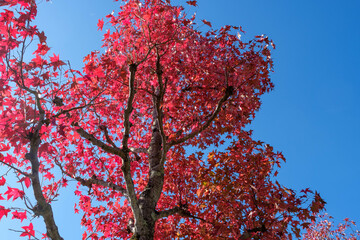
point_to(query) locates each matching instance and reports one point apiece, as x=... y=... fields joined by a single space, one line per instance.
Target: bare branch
x=16 y=169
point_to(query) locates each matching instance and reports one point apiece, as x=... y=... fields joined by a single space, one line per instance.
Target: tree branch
x=157 y=104
x=129 y=107
x=108 y=139
x=125 y=150
x=248 y=232
x=228 y=92
x=98 y=143
x=176 y=210
x=16 y=169
x=93 y=180
x=138 y=150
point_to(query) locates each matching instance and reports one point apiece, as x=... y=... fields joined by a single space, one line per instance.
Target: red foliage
x=136 y=126
x=323 y=228
x=19 y=215
x=3 y=212
x=28 y=231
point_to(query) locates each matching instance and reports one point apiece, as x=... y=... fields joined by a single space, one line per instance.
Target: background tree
x=323 y=228
x=124 y=126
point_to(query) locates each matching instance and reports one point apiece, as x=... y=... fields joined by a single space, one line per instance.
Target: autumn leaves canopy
x=151 y=129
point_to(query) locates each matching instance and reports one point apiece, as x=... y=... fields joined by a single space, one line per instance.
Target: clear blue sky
x=312 y=116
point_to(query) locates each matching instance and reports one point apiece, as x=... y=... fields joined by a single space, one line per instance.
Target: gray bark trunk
x=150 y=196
x=42 y=208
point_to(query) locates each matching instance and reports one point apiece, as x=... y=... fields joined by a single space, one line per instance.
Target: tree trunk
x=145 y=232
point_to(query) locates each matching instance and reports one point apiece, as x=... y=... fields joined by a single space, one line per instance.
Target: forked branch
x=228 y=92
x=109 y=149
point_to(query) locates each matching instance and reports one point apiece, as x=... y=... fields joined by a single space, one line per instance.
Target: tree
x=323 y=228
x=152 y=129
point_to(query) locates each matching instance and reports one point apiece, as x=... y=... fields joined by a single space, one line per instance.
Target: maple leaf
x=44 y=148
x=54 y=58
x=42 y=49
x=2 y=181
x=4 y=147
x=56 y=62
x=100 y=24
x=49 y=176
x=38 y=60
x=19 y=215
x=192 y=3
x=14 y=193
x=207 y=23
x=42 y=37
x=29 y=231
x=306 y=191
x=64 y=182
x=26 y=180
x=3 y=211
x=61 y=130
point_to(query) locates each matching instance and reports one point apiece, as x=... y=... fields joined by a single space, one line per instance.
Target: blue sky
x=312 y=116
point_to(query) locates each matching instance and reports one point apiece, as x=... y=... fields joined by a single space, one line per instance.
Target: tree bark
x=42 y=208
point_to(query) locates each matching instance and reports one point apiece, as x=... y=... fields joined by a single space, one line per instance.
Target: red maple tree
x=152 y=129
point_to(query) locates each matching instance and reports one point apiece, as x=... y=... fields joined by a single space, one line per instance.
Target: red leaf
x=207 y=23
x=2 y=181
x=44 y=148
x=42 y=37
x=42 y=49
x=192 y=3
x=38 y=60
x=306 y=191
x=19 y=215
x=49 y=176
x=55 y=62
x=64 y=182
x=26 y=180
x=29 y=231
x=54 y=58
x=61 y=130
x=14 y=193
x=4 y=148
x=3 y=211
x=100 y=24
